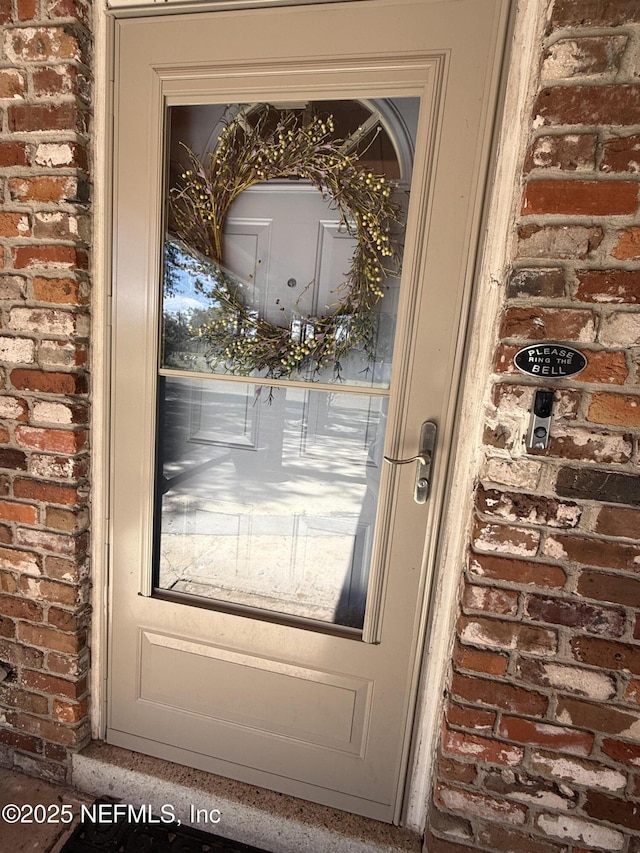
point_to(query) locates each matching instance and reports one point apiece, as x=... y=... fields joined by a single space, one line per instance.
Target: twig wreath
x=276 y=146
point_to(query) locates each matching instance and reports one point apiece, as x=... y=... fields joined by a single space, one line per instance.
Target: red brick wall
x=44 y=324
x=541 y=744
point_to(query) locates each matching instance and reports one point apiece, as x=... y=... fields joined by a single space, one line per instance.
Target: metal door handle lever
x=424 y=459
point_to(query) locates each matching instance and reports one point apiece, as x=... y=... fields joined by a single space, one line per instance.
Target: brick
x=19 y=655
x=480 y=805
x=48 y=382
x=536 y=282
x=586 y=56
x=62 y=354
x=628 y=246
x=50 y=591
x=621 y=154
x=13 y=408
x=605 y=486
x=6 y=12
x=518 y=571
x=61 y=155
x=605 y=654
x=8 y=583
x=60 y=226
x=7 y=628
x=528 y=789
x=52 y=685
x=49 y=492
x=12 y=154
x=572 y=679
x=590 y=446
x=491 y=663
x=62 y=569
x=533 y=509
x=70 y=666
x=620 y=329
x=11 y=559
x=618 y=409
x=632 y=691
x=619 y=521
x=49 y=258
x=66 y=520
x=44 y=321
x=608 y=105
x=558 y=241
x=438 y=845
x=598 y=717
x=546 y=735
x=505 y=539
x=12 y=84
x=50 y=638
x=521 y=473
x=27 y=10
x=68 y=712
x=17 y=740
x=497 y=694
x=496 y=837
x=575 y=152
x=68 y=9
x=484 y=598
x=597 y=13
x=55 y=81
x=12 y=287
x=51 y=440
x=624 y=753
x=576 y=614
x=578 y=772
x=22 y=513
x=57 y=467
x=464 y=717
x=602 y=586
x=536 y=324
x=572 y=828
x=61 y=414
x=18 y=608
x=482 y=749
x=66 y=620
x=17 y=350
x=501 y=634
x=39 y=44
x=580 y=198
x=613 y=809
x=56 y=543
x=43 y=728
x=605 y=367
x=456 y=771
x=14 y=225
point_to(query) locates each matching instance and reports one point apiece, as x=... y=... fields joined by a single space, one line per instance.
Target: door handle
x=424 y=460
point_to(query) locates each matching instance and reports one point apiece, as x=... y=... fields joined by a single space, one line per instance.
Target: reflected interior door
x=270 y=574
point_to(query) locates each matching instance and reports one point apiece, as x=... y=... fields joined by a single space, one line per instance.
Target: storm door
x=296 y=210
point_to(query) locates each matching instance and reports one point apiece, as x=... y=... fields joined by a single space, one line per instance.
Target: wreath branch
x=281 y=148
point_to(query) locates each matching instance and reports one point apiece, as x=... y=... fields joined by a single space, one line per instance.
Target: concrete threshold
x=274 y=822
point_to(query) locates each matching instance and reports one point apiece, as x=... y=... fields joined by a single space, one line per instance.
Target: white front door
x=270 y=574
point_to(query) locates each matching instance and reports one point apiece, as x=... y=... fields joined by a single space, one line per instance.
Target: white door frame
x=511 y=141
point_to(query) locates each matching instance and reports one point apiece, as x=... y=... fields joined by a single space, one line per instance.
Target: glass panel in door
x=279 y=304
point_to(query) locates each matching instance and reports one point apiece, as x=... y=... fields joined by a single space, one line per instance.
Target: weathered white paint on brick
x=523 y=473
x=469 y=804
x=506 y=540
x=10 y=408
x=43 y=320
x=52 y=219
x=609 y=447
x=56 y=413
x=54 y=154
x=553 y=548
x=567 y=58
x=17 y=350
x=20 y=561
x=579 y=772
x=56 y=354
x=56 y=467
x=621 y=329
x=586 y=682
x=575 y=829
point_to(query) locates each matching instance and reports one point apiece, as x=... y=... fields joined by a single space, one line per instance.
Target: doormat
x=126 y=837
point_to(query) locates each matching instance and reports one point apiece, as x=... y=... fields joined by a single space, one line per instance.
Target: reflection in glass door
x=279 y=304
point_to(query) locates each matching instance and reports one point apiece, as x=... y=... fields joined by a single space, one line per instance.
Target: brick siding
x=44 y=327
x=540 y=750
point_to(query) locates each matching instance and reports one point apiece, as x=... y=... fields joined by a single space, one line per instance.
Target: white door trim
x=522 y=74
